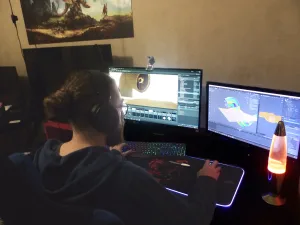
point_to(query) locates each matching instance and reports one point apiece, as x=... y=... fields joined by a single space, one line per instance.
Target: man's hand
x=210 y=169
x=120 y=148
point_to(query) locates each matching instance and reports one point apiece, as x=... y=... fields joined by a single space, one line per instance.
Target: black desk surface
x=248 y=207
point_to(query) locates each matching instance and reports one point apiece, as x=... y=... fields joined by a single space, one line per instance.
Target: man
x=85 y=172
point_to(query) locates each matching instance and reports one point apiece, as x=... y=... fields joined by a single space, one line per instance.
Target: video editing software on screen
x=164 y=96
x=252 y=116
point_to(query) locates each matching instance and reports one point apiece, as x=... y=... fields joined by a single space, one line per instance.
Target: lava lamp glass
x=278 y=155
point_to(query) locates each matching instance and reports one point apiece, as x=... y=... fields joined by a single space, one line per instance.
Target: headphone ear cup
x=105 y=118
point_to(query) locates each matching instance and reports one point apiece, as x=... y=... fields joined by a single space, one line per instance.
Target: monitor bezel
x=166 y=127
x=249 y=88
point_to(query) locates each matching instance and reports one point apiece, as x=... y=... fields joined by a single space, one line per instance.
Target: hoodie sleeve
x=165 y=208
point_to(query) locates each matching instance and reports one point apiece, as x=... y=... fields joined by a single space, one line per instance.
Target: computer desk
x=248 y=207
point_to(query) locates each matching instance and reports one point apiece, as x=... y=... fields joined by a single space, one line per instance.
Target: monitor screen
x=162 y=96
x=251 y=115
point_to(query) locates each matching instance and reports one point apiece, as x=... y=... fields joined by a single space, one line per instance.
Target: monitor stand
x=148 y=132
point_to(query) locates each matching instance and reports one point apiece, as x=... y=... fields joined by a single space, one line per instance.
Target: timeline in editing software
x=158 y=114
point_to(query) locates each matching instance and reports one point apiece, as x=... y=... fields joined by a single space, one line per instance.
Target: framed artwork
x=53 y=21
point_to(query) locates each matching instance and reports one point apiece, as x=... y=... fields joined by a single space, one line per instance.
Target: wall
x=253 y=42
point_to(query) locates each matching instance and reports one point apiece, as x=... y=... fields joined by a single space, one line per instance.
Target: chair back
x=58 y=131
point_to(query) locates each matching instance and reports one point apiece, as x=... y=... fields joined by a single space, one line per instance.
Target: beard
x=116 y=138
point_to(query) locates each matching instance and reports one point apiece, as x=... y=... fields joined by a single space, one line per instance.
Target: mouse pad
x=182 y=179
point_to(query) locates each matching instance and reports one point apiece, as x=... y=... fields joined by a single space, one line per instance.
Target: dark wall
x=47 y=68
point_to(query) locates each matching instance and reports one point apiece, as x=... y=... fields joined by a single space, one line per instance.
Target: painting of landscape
x=52 y=21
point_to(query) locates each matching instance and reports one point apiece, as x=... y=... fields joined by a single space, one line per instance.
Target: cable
x=14 y=19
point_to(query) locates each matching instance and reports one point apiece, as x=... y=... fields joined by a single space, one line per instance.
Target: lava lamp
x=277 y=165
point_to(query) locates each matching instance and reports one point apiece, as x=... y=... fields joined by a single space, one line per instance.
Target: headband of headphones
x=104 y=117
x=93 y=79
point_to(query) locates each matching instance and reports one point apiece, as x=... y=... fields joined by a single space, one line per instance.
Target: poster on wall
x=53 y=21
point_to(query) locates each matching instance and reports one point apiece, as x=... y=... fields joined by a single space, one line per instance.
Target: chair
x=9 y=86
x=57 y=130
x=22 y=199
x=11 y=93
x=3 y=119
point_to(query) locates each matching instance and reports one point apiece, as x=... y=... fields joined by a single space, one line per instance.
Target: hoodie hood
x=75 y=176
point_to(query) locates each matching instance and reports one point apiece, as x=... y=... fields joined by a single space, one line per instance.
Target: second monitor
x=162 y=96
x=251 y=114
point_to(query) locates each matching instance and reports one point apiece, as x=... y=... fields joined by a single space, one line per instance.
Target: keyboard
x=158 y=148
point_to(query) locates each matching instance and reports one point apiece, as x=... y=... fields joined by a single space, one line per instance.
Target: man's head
x=75 y=102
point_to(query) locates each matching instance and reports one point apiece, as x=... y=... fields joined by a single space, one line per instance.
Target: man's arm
x=166 y=209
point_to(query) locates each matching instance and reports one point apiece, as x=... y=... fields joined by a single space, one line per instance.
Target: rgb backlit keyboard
x=158 y=148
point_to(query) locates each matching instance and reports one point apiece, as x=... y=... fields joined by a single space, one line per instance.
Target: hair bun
x=58 y=105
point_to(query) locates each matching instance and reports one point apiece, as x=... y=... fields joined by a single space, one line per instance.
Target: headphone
x=103 y=117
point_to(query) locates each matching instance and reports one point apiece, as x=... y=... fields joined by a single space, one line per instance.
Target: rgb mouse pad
x=182 y=179
x=172 y=175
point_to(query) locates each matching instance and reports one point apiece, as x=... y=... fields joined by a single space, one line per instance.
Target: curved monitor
x=251 y=114
x=161 y=96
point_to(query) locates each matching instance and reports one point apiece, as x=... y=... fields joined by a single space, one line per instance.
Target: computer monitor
x=161 y=96
x=251 y=114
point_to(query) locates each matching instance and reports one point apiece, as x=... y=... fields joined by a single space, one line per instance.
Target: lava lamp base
x=274 y=200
